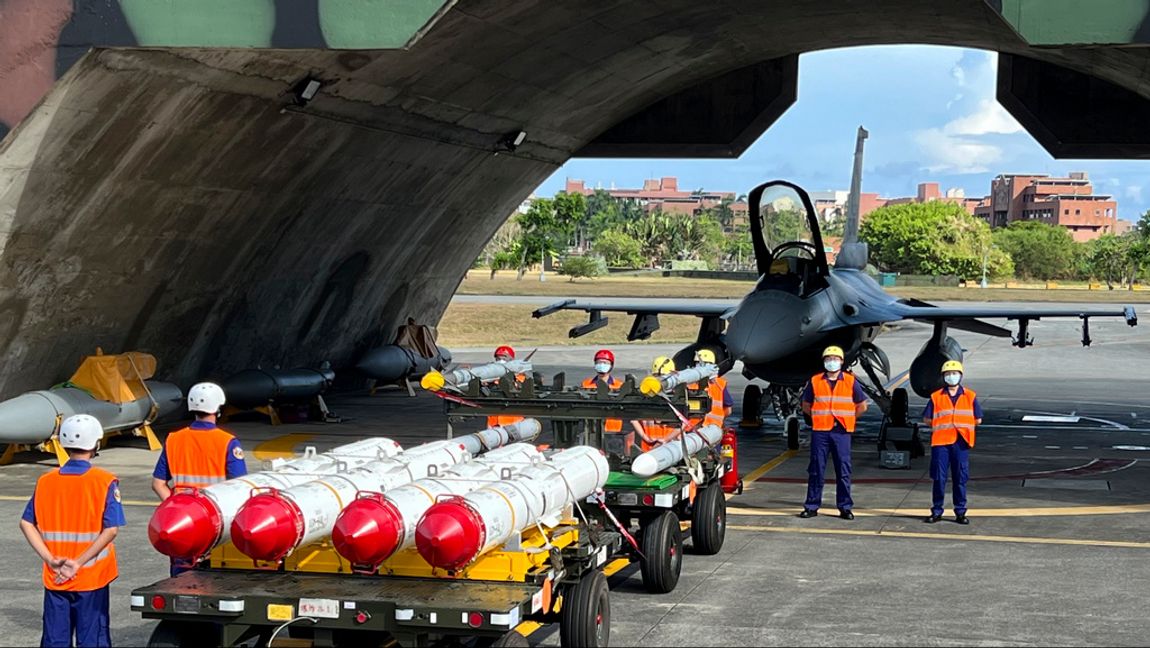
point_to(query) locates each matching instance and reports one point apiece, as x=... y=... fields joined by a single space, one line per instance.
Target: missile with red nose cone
x=671 y=453
x=455 y=532
x=269 y=526
x=375 y=525
x=190 y=523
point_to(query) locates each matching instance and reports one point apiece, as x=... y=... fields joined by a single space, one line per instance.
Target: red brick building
x=1069 y=202
x=664 y=194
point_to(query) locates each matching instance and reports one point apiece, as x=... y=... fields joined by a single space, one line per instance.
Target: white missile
x=652 y=385
x=190 y=523
x=375 y=525
x=500 y=436
x=670 y=453
x=435 y=381
x=455 y=532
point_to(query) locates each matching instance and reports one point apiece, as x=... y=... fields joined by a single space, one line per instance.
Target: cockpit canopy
x=788 y=244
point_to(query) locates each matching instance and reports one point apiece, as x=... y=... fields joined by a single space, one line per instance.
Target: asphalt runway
x=1057 y=552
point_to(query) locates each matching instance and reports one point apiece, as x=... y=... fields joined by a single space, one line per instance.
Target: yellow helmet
x=952 y=365
x=662 y=366
x=705 y=355
x=834 y=351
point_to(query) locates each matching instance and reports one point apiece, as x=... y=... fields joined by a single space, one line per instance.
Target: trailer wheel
x=709 y=521
x=176 y=634
x=511 y=639
x=792 y=433
x=663 y=550
x=752 y=407
x=586 y=614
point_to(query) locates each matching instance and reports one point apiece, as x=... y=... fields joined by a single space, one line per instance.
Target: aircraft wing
x=646 y=315
x=968 y=318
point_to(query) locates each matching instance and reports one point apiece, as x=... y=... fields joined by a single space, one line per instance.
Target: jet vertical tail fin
x=853 y=253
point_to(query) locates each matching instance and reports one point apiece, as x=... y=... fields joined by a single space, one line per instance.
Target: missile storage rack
x=690 y=492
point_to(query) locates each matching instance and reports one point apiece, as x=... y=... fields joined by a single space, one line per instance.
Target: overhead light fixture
x=512 y=140
x=306 y=90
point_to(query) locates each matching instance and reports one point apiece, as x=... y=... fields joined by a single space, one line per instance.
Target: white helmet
x=206 y=398
x=80 y=432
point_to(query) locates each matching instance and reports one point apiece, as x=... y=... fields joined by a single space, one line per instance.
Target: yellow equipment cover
x=115 y=378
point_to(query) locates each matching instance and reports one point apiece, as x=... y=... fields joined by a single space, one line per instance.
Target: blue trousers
x=82 y=613
x=179 y=566
x=838 y=445
x=955 y=459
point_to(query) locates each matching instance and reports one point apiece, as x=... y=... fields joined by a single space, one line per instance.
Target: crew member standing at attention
x=199 y=455
x=503 y=355
x=952 y=413
x=834 y=401
x=71 y=520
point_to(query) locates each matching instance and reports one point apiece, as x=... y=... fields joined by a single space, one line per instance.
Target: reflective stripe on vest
x=952 y=419
x=657 y=432
x=611 y=424
x=833 y=404
x=70 y=516
x=198 y=457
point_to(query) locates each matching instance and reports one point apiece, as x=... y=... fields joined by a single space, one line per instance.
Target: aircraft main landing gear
x=792 y=428
x=752 y=407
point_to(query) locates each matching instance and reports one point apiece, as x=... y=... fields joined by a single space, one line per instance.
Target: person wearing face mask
x=952 y=413
x=604 y=363
x=503 y=355
x=833 y=400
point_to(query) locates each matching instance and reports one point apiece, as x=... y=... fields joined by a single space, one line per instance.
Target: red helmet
x=505 y=350
x=604 y=354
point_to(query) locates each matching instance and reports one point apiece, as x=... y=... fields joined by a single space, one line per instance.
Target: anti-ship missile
x=376 y=525
x=271 y=525
x=435 y=381
x=255 y=387
x=192 y=522
x=455 y=532
x=32 y=417
x=659 y=459
x=652 y=385
x=393 y=362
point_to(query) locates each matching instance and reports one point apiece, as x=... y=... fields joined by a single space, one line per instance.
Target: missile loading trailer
x=646 y=510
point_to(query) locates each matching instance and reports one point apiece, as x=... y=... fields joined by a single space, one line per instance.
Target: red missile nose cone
x=367 y=531
x=449 y=535
x=267 y=527
x=185 y=525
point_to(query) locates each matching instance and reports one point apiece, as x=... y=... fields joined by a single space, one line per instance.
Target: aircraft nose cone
x=449 y=536
x=764 y=328
x=184 y=526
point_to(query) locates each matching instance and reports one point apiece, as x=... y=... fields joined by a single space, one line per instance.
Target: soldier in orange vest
x=952 y=413
x=502 y=355
x=833 y=400
x=71 y=521
x=604 y=363
x=721 y=401
x=652 y=434
x=199 y=455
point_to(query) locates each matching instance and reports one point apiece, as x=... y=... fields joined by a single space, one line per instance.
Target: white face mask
x=603 y=367
x=952 y=378
x=833 y=365
x=501 y=360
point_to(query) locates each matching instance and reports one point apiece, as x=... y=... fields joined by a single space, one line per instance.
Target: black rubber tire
x=752 y=407
x=585 y=619
x=709 y=520
x=899 y=407
x=662 y=548
x=177 y=634
x=509 y=640
x=792 y=433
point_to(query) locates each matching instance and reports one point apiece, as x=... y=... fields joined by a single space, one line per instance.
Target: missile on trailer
x=376 y=525
x=33 y=417
x=435 y=381
x=392 y=362
x=190 y=523
x=670 y=453
x=455 y=532
x=652 y=385
x=500 y=435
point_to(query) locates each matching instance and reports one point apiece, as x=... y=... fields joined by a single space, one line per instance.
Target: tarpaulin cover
x=115 y=378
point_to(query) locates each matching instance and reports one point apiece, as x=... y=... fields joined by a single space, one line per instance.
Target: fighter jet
x=800 y=305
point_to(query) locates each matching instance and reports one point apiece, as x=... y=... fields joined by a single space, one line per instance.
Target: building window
x=1109 y=212
x=1077 y=212
x=1066 y=212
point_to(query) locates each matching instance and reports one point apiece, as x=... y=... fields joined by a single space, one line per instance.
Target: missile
x=499 y=436
x=453 y=533
x=32 y=417
x=374 y=526
x=254 y=387
x=393 y=362
x=192 y=522
x=652 y=385
x=271 y=525
x=435 y=381
x=670 y=453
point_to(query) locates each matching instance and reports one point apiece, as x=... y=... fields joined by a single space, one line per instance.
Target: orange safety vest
x=657 y=432
x=952 y=419
x=829 y=404
x=717 y=414
x=496 y=419
x=70 y=515
x=198 y=457
x=609 y=425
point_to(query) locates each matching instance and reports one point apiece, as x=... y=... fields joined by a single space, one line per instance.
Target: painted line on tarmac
x=755 y=474
x=1118 y=509
x=280 y=447
x=948 y=536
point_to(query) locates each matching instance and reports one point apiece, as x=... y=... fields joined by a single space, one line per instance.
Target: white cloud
x=1134 y=192
x=988 y=118
x=949 y=153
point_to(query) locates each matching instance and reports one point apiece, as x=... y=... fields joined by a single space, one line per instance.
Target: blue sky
x=931 y=115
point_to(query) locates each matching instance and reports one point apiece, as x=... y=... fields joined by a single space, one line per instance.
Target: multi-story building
x=664 y=194
x=1069 y=202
